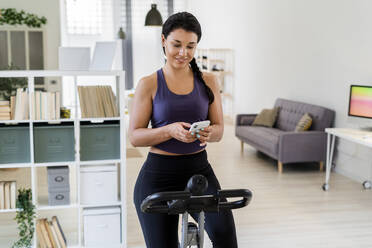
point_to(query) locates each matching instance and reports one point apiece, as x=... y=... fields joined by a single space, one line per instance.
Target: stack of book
x=46 y=105
x=8 y=195
x=97 y=102
x=50 y=233
x=5 y=110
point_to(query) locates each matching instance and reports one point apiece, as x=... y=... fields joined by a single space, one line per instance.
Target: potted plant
x=25 y=219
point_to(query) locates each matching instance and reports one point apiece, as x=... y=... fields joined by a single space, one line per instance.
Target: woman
x=173 y=98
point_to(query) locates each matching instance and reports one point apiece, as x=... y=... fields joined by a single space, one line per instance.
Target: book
x=5 y=109
x=50 y=234
x=50 y=106
x=60 y=234
x=13 y=194
x=32 y=113
x=45 y=233
x=40 y=235
x=2 y=199
x=37 y=105
x=44 y=105
x=4 y=103
x=55 y=238
x=7 y=195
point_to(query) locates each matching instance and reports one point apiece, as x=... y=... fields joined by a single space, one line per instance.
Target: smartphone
x=199 y=125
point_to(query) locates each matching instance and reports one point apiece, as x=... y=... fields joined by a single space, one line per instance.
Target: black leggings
x=171 y=173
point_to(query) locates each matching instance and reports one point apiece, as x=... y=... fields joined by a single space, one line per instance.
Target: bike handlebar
x=178 y=202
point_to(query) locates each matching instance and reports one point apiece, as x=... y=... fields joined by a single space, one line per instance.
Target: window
x=84 y=16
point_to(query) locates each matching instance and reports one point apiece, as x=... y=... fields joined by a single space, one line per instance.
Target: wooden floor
x=287 y=210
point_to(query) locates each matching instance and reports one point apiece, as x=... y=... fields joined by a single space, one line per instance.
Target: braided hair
x=188 y=22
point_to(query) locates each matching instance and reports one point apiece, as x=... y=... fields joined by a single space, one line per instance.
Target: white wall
x=297 y=49
x=49 y=9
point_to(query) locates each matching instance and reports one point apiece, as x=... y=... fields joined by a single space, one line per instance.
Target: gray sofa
x=281 y=142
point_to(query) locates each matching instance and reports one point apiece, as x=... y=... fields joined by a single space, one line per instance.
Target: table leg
x=330 y=148
x=368 y=183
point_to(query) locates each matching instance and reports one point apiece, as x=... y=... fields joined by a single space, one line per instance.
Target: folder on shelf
x=59 y=232
x=2 y=193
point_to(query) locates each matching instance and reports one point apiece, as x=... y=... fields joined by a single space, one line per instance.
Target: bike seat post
x=192 y=234
x=201 y=229
x=185 y=217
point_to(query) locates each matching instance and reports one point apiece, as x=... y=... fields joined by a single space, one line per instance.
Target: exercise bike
x=192 y=200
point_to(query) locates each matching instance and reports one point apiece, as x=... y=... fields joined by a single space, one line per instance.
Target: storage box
x=59 y=196
x=98 y=142
x=102 y=227
x=99 y=184
x=58 y=177
x=15 y=145
x=54 y=143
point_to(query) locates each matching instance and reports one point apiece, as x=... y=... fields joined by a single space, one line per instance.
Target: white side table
x=357 y=136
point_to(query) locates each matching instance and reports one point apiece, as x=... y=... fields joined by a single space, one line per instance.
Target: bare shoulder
x=147 y=84
x=210 y=79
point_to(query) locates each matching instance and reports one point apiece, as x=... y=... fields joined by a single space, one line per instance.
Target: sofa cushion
x=266 y=118
x=304 y=123
x=262 y=138
x=290 y=113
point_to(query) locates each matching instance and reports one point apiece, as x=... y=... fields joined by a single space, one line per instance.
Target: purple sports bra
x=168 y=107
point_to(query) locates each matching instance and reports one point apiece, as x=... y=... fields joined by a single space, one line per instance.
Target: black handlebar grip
x=245 y=193
x=157 y=203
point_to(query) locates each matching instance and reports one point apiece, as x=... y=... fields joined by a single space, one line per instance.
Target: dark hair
x=188 y=22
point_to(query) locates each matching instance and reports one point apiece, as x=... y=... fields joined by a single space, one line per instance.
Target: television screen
x=360 y=103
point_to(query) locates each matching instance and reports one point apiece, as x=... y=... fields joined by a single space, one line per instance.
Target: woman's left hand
x=204 y=135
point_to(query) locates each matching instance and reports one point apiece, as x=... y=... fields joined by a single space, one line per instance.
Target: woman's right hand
x=177 y=130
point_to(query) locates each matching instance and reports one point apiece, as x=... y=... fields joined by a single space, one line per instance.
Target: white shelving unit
x=220 y=61
x=75 y=165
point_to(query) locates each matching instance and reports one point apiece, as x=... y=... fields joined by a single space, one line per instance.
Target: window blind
x=84 y=16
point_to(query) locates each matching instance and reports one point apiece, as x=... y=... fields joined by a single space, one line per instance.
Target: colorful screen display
x=360 y=103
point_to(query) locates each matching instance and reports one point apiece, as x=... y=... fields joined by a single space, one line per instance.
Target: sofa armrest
x=245 y=119
x=308 y=146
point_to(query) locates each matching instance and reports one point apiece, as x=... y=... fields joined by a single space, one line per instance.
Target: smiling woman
x=173 y=98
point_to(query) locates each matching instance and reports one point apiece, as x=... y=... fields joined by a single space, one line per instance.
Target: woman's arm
x=139 y=133
x=214 y=132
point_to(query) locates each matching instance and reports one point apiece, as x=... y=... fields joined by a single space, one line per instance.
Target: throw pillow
x=304 y=123
x=266 y=117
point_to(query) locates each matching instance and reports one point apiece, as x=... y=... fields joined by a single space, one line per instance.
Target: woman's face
x=180 y=46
